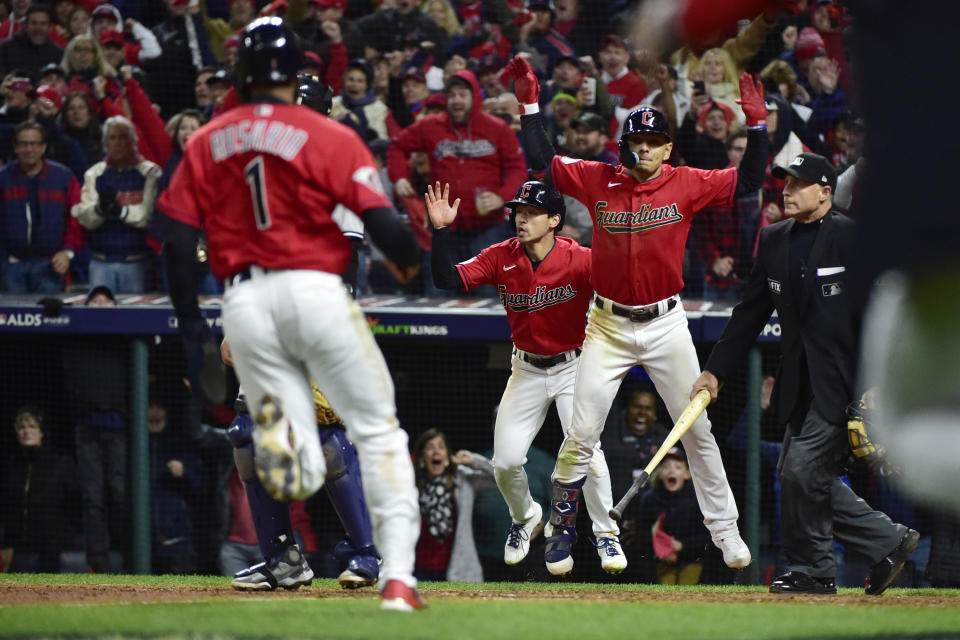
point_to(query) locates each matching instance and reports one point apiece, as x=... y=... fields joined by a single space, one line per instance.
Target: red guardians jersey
x=640 y=228
x=263 y=180
x=546 y=308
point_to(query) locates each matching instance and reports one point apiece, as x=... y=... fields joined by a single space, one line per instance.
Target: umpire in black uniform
x=800 y=271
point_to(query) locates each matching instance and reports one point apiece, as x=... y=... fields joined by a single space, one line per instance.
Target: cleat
x=518 y=537
x=291 y=571
x=363 y=565
x=886 y=571
x=736 y=554
x=399 y=597
x=611 y=555
x=557 y=554
x=278 y=463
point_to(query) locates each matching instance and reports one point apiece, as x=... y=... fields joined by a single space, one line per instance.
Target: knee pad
x=338 y=452
x=240 y=431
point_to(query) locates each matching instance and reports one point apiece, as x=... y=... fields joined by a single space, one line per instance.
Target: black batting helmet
x=313 y=93
x=642 y=120
x=537 y=194
x=268 y=54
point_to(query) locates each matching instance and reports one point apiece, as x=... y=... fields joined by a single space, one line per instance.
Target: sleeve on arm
x=445 y=274
x=479 y=270
x=753 y=166
x=85 y=211
x=747 y=320
x=536 y=143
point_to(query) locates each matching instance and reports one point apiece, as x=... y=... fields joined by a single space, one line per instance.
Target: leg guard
x=563 y=527
x=345 y=490
x=344 y=486
x=271 y=518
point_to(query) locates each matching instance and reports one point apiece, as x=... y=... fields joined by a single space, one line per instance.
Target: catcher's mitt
x=862 y=447
x=325 y=413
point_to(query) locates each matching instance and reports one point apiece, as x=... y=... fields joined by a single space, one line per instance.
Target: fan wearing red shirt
x=263 y=179
x=544 y=284
x=626 y=88
x=642 y=210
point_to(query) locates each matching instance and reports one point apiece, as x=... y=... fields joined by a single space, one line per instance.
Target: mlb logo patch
x=832 y=289
x=774 y=285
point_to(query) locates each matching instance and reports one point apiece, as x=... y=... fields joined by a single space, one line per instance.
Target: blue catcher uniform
x=284 y=564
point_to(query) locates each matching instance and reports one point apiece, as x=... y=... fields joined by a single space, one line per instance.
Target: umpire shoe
x=519 y=536
x=736 y=554
x=291 y=571
x=796 y=582
x=399 y=597
x=886 y=571
x=611 y=555
x=278 y=464
x=557 y=554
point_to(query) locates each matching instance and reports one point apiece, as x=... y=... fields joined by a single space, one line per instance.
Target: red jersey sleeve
x=179 y=200
x=575 y=177
x=480 y=269
x=356 y=179
x=709 y=188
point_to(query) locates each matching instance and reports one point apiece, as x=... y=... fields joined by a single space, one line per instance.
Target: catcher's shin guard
x=345 y=489
x=563 y=527
x=271 y=518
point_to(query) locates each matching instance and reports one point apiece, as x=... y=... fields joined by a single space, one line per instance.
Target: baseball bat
x=684 y=422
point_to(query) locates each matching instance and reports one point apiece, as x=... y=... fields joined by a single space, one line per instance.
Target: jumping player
x=642 y=211
x=262 y=180
x=544 y=285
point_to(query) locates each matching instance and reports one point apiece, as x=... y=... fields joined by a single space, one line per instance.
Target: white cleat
x=278 y=463
x=518 y=537
x=611 y=555
x=736 y=554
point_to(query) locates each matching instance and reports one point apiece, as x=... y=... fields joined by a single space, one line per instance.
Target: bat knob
x=616 y=515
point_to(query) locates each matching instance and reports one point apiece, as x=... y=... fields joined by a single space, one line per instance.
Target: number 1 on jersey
x=253 y=173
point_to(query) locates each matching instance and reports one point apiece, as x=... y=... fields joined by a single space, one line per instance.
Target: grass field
x=74 y=606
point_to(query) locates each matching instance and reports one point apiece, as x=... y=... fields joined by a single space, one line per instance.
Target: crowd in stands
x=99 y=100
x=114 y=90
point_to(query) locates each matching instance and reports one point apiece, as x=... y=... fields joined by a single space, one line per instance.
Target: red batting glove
x=525 y=84
x=751 y=100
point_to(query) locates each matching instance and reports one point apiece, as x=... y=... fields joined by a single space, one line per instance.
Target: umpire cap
x=313 y=93
x=268 y=54
x=643 y=120
x=537 y=194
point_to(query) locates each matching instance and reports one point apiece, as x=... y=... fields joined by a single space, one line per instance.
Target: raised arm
x=754 y=164
x=536 y=143
x=442 y=214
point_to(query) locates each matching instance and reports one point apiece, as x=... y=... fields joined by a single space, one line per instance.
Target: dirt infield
x=30 y=594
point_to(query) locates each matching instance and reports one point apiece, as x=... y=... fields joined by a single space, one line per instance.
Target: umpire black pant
x=818 y=508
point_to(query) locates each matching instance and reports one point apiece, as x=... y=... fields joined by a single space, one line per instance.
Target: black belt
x=109 y=257
x=241 y=276
x=643 y=314
x=545 y=362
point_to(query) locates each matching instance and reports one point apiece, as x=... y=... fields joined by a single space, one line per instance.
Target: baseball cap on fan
x=809 y=167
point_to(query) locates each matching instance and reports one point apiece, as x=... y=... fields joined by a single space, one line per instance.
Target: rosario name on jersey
x=546 y=308
x=640 y=228
x=263 y=179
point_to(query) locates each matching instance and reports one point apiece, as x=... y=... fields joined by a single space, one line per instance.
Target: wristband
x=529 y=109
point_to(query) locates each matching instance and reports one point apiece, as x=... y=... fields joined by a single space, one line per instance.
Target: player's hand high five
x=751 y=100
x=441 y=212
x=525 y=83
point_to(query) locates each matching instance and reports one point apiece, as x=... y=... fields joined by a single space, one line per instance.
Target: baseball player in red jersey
x=262 y=180
x=544 y=285
x=642 y=211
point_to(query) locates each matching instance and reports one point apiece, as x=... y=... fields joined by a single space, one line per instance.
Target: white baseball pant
x=523 y=407
x=286 y=327
x=663 y=346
